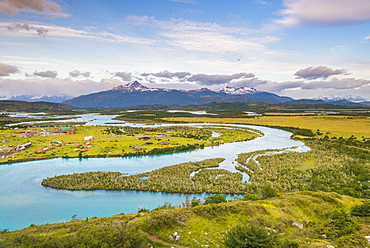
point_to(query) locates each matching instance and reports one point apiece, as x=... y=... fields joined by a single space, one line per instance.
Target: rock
x=181 y=223
x=368 y=239
x=174 y=234
x=297 y=224
x=178 y=238
x=171 y=237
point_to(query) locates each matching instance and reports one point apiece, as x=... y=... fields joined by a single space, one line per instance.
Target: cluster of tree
x=176 y=178
x=327 y=167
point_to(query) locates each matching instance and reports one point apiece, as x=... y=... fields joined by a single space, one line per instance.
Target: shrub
x=250 y=197
x=249 y=236
x=361 y=210
x=215 y=199
x=340 y=224
x=267 y=192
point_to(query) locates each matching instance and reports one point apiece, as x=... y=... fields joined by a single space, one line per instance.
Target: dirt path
x=156 y=239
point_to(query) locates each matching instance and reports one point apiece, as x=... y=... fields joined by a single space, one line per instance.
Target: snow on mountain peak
x=236 y=90
x=132 y=86
x=341 y=97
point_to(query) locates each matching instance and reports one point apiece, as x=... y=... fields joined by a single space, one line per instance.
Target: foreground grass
x=209 y=225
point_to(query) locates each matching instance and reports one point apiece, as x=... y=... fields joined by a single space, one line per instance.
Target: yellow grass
x=339 y=126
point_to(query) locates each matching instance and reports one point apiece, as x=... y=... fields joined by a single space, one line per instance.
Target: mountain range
x=134 y=93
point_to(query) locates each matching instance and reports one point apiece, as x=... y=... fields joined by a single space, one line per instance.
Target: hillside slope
x=304 y=219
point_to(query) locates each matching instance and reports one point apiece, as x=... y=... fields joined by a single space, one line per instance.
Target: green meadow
x=111 y=141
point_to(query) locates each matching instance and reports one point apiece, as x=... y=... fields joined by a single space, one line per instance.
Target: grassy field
x=333 y=126
x=110 y=142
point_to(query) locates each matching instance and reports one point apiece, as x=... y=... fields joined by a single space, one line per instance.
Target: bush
x=215 y=199
x=340 y=224
x=362 y=210
x=249 y=236
x=352 y=241
x=267 y=192
x=250 y=197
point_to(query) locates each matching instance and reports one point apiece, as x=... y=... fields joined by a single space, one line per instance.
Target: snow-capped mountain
x=40 y=98
x=331 y=98
x=132 y=86
x=236 y=90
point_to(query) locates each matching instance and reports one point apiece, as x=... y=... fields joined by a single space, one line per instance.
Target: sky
x=295 y=48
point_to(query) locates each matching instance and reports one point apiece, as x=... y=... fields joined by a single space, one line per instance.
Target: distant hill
x=16 y=106
x=134 y=94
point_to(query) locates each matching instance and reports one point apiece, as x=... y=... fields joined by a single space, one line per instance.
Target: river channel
x=24 y=201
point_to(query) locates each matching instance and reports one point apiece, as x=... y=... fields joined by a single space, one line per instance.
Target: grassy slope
x=205 y=224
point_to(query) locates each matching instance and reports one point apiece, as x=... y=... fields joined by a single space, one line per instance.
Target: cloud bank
x=319 y=72
x=167 y=74
x=48 y=74
x=77 y=73
x=205 y=79
x=12 y=7
x=6 y=70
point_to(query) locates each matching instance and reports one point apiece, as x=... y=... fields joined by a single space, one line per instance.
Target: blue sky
x=296 y=48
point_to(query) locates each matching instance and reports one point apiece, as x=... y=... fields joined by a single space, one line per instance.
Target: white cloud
x=332 y=84
x=125 y=76
x=54 y=86
x=205 y=36
x=77 y=73
x=185 y=1
x=59 y=32
x=324 y=12
x=12 y=7
x=204 y=79
x=168 y=74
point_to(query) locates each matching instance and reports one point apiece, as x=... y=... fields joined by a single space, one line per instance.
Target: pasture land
x=331 y=125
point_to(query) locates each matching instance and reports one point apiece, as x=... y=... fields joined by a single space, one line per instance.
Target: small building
x=164 y=143
x=88 y=138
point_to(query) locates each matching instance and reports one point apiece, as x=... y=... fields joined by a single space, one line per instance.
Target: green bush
x=352 y=241
x=340 y=224
x=361 y=210
x=250 y=197
x=249 y=236
x=215 y=199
